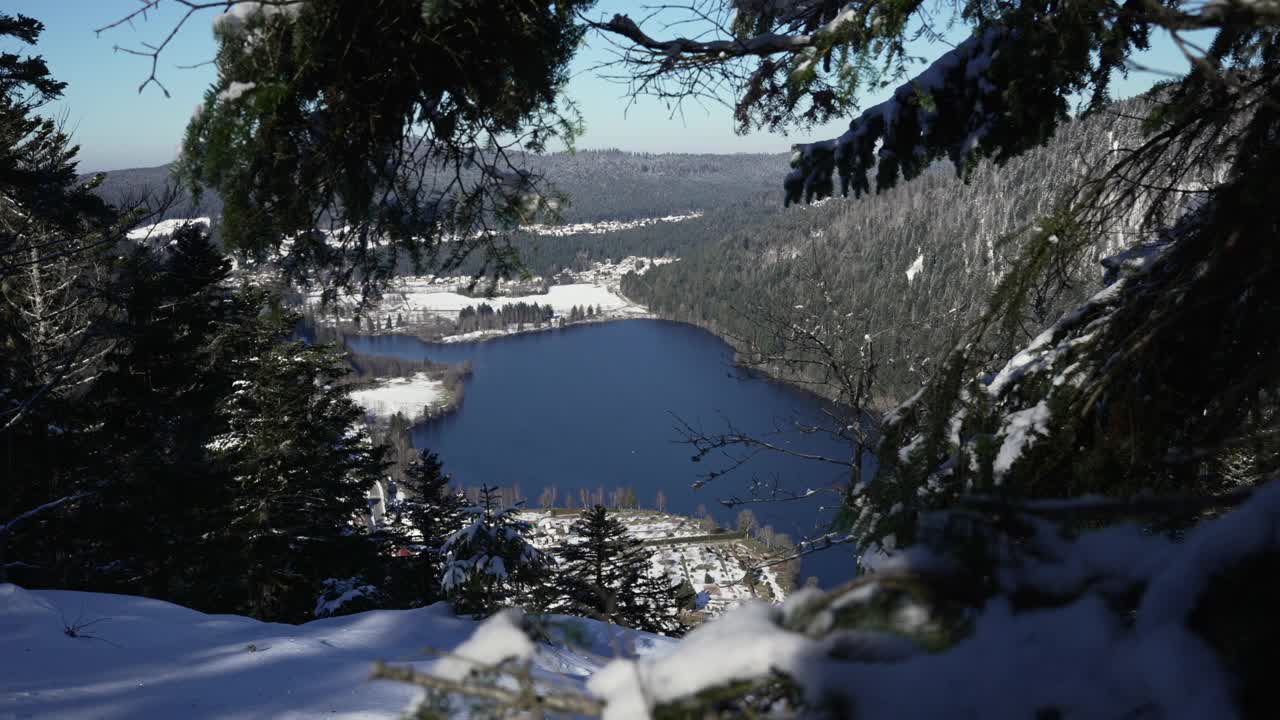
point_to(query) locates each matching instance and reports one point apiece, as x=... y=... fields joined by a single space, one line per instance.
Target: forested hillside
x=911 y=267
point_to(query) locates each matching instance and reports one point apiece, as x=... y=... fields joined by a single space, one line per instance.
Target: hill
x=601 y=184
x=910 y=267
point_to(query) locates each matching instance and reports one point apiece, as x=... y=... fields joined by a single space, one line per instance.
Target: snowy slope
x=143 y=658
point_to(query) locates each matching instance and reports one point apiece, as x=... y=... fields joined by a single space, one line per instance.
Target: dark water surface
x=593 y=405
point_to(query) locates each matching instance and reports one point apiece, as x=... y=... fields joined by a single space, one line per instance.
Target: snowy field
x=164 y=228
x=416 y=298
x=401 y=395
x=561 y=298
x=606 y=226
x=146 y=659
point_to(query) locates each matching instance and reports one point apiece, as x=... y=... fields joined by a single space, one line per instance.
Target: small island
x=412 y=390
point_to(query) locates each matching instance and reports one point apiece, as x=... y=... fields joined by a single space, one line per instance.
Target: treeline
x=514 y=315
x=474 y=551
x=196 y=453
x=577 y=253
x=600 y=184
x=625 y=498
x=472 y=318
x=164 y=432
x=364 y=366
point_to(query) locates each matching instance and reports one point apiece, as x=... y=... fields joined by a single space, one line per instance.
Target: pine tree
x=428 y=512
x=609 y=575
x=177 y=329
x=53 y=235
x=490 y=563
x=301 y=472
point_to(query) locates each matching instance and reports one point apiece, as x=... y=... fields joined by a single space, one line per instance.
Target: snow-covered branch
x=756 y=46
x=40 y=510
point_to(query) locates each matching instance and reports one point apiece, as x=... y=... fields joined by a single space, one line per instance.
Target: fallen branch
x=525 y=699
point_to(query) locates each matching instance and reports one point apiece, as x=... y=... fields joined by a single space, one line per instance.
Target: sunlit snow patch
x=164 y=228
x=915 y=268
x=408 y=396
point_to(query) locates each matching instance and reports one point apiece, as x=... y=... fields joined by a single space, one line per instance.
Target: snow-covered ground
x=607 y=226
x=417 y=298
x=401 y=395
x=142 y=659
x=561 y=298
x=164 y=228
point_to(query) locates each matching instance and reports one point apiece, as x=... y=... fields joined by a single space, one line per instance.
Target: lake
x=596 y=405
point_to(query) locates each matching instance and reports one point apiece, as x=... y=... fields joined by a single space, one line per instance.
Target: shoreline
x=757 y=372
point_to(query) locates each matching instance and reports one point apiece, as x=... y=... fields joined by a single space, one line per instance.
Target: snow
x=164 y=228
x=1019 y=431
x=344 y=591
x=604 y=227
x=239 y=13
x=140 y=658
x=151 y=659
x=742 y=644
x=417 y=299
x=146 y=659
x=1251 y=530
x=407 y=396
x=815 y=162
x=413 y=295
x=560 y=297
x=498 y=639
x=915 y=268
x=725 y=558
x=1082 y=658
x=1043 y=353
x=235 y=90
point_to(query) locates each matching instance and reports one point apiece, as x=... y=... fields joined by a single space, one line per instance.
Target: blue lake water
x=595 y=405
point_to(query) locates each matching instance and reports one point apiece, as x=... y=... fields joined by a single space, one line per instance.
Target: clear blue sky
x=117 y=127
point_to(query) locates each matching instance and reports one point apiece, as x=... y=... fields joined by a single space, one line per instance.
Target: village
x=724 y=567
x=430 y=307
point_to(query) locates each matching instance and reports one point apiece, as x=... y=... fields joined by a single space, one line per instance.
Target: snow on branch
x=522 y=699
x=236 y=10
x=499 y=647
x=761 y=45
x=948 y=108
x=40 y=510
x=860 y=645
